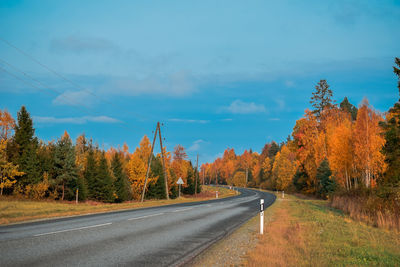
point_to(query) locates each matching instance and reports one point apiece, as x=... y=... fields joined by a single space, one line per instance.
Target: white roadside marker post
x=283 y=194
x=216 y=194
x=261 y=216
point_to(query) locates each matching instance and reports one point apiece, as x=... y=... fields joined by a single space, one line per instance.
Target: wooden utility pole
x=163 y=160
x=148 y=165
x=197 y=174
x=247 y=176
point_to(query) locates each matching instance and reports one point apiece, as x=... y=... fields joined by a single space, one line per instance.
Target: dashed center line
x=73 y=229
x=182 y=210
x=147 y=216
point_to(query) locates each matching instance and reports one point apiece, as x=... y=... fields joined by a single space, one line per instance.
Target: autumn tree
x=322 y=98
x=89 y=174
x=341 y=156
x=285 y=167
x=8 y=171
x=368 y=144
x=239 y=179
x=137 y=167
x=7 y=124
x=305 y=133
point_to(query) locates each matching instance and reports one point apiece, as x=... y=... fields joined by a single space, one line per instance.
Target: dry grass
x=358 y=209
x=13 y=210
x=283 y=243
x=304 y=232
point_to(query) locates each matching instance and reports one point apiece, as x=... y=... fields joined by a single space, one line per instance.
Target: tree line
x=63 y=170
x=333 y=148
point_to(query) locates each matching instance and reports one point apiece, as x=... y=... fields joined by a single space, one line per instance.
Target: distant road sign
x=180 y=181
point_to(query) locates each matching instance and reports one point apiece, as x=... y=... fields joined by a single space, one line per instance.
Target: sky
x=217 y=74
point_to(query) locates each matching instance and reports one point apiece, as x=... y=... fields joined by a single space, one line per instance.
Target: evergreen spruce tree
x=326 y=185
x=190 y=188
x=156 y=190
x=89 y=173
x=64 y=167
x=103 y=184
x=22 y=150
x=392 y=135
x=273 y=150
x=121 y=184
x=322 y=98
x=348 y=107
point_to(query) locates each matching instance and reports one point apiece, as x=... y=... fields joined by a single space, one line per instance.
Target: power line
x=60 y=75
x=121 y=124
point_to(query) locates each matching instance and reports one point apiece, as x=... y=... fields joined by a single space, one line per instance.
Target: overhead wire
x=74 y=84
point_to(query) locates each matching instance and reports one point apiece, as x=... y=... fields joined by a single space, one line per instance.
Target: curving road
x=157 y=236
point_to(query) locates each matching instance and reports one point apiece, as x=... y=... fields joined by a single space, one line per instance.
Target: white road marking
x=182 y=210
x=142 y=217
x=74 y=229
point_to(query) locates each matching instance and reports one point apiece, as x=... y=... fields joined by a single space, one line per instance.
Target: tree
x=89 y=173
x=322 y=98
x=346 y=106
x=391 y=128
x=23 y=149
x=8 y=171
x=273 y=149
x=156 y=189
x=65 y=168
x=103 y=183
x=121 y=183
x=326 y=184
x=341 y=156
x=190 y=186
x=368 y=144
x=7 y=124
x=284 y=169
x=239 y=179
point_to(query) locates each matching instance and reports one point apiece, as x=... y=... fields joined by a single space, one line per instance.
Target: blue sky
x=218 y=74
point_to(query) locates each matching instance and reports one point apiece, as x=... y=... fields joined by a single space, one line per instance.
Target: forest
x=348 y=154
x=63 y=170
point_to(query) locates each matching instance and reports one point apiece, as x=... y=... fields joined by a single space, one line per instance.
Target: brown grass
x=283 y=242
x=359 y=208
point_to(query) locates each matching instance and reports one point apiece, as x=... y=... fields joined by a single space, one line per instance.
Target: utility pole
x=203 y=176
x=197 y=174
x=163 y=159
x=247 y=176
x=148 y=165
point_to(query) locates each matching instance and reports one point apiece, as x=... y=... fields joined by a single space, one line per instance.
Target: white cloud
x=189 y=121
x=75 y=120
x=196 y=145
x=74 y=98
x=240 y=107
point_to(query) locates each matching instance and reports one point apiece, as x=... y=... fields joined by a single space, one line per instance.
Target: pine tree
x=89 y=173
x=348 y=107
x=190 y=188
x=23 y=148
x=322 y=98
x=102 y=184
x=157 y=189
x=273 y=149
x=392 y=136
x=326 y=184
x=121 y=184
x=65 y=169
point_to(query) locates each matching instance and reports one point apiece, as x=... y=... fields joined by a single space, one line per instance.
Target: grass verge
x=14 y=211
x=304 y=232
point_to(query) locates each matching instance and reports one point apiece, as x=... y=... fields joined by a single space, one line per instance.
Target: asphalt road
x=157 y=236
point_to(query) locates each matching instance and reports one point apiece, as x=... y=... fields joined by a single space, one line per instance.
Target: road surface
x=157 y=236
